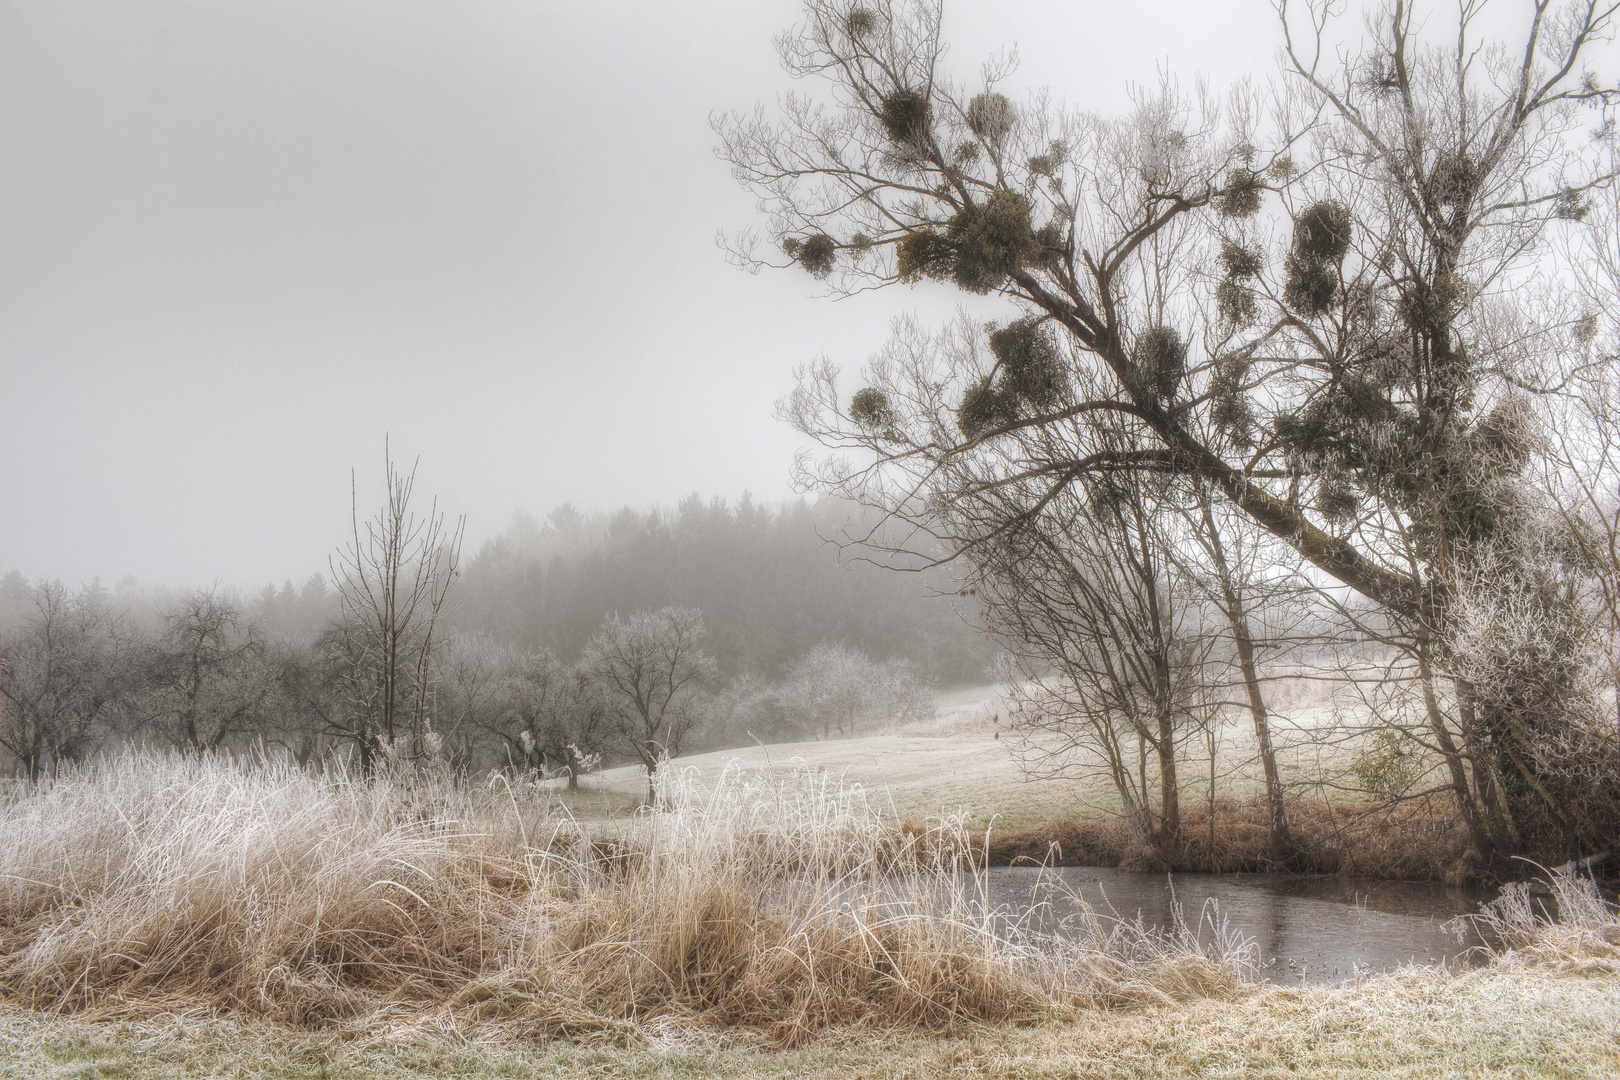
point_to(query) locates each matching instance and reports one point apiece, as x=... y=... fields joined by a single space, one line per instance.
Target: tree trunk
x=1454 y=762
x=1169 y=786
x=1487 y=787
x=1281 y=842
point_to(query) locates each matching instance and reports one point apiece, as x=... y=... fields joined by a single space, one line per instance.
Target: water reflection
x=1309 y=929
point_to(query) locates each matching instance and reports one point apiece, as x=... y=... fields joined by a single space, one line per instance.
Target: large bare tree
x=1296 y=305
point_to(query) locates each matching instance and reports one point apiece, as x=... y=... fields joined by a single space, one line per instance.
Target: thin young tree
x=393 y=581
x=1105 y=639
x=1233 y=594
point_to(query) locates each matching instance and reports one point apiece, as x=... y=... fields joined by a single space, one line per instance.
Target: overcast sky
x=240 y=241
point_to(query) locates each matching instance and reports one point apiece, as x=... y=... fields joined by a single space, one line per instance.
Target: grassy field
x=919 y=776
x=953 y=764
x=957 y=764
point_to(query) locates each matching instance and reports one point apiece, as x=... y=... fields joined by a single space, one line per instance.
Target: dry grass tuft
x=1574 y=930
x=142 y=884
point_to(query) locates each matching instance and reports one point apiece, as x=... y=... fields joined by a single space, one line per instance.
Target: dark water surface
x=1309 y=929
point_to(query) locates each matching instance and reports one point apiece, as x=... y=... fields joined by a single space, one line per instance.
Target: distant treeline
x=768 y=580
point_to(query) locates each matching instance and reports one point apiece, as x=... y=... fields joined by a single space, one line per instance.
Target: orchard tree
x=651 y=669
x=207 y=676
x=1310 y=309
x=837 y=689
x=63 y=678
x=551 y=715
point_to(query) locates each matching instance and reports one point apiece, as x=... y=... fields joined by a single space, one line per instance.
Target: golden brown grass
x=782 y=905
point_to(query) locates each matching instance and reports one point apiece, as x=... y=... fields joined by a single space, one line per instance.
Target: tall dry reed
x=783 y=904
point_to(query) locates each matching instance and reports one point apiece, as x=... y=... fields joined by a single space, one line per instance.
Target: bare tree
x=837 y=689
x=650 y=668
x=393 y=581
x=1232 y=580
x=1106 y=643
x=552 y=716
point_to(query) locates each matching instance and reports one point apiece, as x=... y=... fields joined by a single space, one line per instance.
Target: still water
x=1309 y=929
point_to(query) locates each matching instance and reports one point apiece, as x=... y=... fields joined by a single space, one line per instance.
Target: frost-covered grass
x=957 y=762
x=1509 y=1020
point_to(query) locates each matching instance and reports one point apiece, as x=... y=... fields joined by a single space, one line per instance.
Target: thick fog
x=240 y=242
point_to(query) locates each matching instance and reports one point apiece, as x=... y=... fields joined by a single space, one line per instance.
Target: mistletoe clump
x=1240 y=263
x=1322 y=232
x=1235 y=300
x=1241 y=199
x=1321 y=240
x=982 y=244
x=1235 y=303
x=1571 y=205
x=924 y=254
x=1029 y=377
x=991 y=240
x=990 y=116
x=1160 y=357
x=985 y=406
x=1310 y=287
x=1229 y=411
x=1337 y=499
x=1031 y=366
x=1429 y=307
x=1454 y=179
x=905 y=116
x=817 y=253
x=1508 y=433
x=870 y=409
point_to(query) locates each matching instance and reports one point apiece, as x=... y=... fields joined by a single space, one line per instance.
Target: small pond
x=1309 y=929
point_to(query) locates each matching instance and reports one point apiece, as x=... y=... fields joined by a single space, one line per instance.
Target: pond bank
x=1420 y=840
